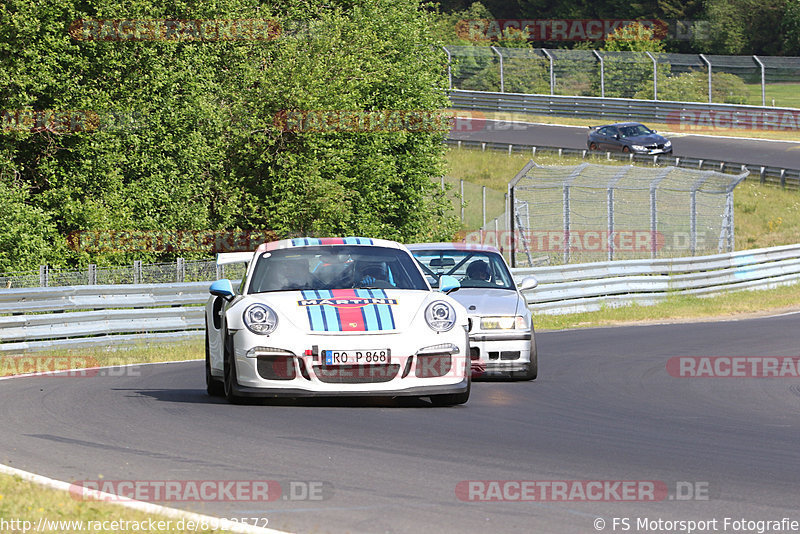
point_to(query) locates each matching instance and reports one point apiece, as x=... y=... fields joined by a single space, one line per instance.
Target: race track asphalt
x=604 y=408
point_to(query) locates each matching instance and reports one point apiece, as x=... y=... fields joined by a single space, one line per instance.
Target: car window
x=473 y=268
x=335 y=267
x=635 y=130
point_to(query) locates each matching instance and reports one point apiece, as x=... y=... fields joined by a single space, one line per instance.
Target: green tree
x=627 y=66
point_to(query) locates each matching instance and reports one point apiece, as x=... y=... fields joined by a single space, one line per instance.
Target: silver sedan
x=502 y=338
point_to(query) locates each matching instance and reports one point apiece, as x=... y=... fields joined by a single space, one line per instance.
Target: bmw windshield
x=472 y=268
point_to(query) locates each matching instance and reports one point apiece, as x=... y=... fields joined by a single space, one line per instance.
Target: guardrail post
x=180 y=270
x=137 y=271
x=783 y=178
x=763 y=84
x=762 y=176
x=44 y=276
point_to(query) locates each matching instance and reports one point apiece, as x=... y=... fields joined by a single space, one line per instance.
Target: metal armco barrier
x=588 y=286
x=82 y=316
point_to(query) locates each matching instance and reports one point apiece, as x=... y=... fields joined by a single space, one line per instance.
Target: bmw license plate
x=356 y=357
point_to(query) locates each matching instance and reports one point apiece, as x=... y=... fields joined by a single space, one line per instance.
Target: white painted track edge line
x=145 y=507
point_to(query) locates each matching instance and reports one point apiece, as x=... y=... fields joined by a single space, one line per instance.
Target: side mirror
x=529 y=282
x=616 y=136
x=222 y=288
x=448 y=283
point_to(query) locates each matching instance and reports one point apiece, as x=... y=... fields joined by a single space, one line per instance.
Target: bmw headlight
x=638 y=148
x=509 y=322
x=668 y=143
x=260 y=319
x=440 y=316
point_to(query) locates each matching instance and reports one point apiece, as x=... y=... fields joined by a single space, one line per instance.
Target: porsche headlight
x=440 y=316
x=260 y=319
x=510 y=322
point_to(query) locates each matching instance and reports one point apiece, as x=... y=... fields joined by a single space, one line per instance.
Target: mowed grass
x=781 y=95
x=682 y=308
x=21 y=500
x=45 y=361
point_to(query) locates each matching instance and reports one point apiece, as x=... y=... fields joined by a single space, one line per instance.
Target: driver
x=478 y=270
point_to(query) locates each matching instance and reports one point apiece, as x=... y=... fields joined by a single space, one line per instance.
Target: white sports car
x=335 y=316
x=502 y=339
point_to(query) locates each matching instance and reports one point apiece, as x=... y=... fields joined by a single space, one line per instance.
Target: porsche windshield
x=472 y=268
x=335 y=267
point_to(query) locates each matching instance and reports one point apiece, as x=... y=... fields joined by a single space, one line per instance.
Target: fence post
x=655 y=75
x=137 y=271
x=180 y=270
x=566 y=223
x=92 y=274
x=552 y=72
x=763 y=84
x=708 y=63
x=44 y=276
x=602 y=74
x=610 y=202
x=502 y=77
x=483 y=201
x=462 y=200
x=449 y=70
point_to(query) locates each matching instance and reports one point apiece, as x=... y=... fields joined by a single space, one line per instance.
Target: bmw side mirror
x=529 y=282
x=448 y=283
x=222 y=288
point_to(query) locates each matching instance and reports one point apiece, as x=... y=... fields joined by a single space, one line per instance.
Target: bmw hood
x=347 y=311
x=489 y=301
x=652 y=139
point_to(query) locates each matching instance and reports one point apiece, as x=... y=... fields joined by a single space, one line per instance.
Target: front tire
x=230 y=381
x=592 y=146
x=452 y=399
x=214 y=386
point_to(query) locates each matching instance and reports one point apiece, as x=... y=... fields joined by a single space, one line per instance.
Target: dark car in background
x=629 y=137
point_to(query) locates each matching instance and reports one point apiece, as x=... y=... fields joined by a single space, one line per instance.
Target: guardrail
x=593 y=107
x=589 y=286
x=82 y=316
x=777 y=176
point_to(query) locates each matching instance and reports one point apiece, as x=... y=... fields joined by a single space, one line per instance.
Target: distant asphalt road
x=604 y=408
x=751 y=151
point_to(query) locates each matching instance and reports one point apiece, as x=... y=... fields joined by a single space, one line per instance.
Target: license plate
x=355 y=357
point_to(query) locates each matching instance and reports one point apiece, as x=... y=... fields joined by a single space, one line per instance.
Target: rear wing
x=226 y=258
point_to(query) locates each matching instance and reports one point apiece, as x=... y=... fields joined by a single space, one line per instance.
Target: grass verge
x=682 y=308
x=22 y=500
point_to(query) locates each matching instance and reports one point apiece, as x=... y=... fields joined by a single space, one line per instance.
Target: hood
x=647 y=139
x=346 y=310
x=489 y=301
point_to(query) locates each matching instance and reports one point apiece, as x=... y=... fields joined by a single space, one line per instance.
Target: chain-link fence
x=475 y=205
x=755 y=80
x=137 y=273
x=590 y=212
